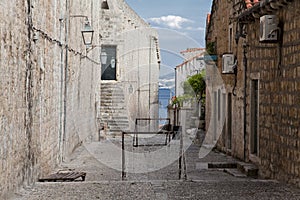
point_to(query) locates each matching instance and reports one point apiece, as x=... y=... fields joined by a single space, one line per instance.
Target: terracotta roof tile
x=192 y=50
x=189 y=60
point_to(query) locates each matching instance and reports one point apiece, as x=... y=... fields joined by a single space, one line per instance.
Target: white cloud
x=170 y=21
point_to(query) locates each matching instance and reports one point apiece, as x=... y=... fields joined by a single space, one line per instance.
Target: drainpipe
x=61 y=115
x=245 y=62
x=66 y=77
x=29 y=152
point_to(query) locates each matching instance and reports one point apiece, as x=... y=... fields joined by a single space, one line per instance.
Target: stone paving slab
x=103 y=182
x=88 y=191
x=238 y=189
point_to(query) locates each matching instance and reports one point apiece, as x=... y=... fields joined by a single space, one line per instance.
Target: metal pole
x=180 y=156
x=123 y=158
x=175 y=81
x=150 y=76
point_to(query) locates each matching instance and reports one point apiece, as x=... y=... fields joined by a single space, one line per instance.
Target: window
x=219 y=104
x=108 y=70
x=230 y=38
x=229 y=120
x=254 y=116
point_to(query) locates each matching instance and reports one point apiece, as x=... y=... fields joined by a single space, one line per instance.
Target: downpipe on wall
x=67 y=24
x=30 y=157
x=245 y=63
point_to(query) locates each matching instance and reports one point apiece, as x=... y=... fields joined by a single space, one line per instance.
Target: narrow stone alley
x=213 y=177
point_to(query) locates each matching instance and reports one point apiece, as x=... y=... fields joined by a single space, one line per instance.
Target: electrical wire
x=64 y=46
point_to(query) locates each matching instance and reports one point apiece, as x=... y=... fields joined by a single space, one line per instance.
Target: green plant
x=211 y=48
x=195 y=85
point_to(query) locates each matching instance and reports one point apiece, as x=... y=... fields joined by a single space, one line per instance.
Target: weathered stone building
x=260 y=100
x=132 y=92
x=51 y=82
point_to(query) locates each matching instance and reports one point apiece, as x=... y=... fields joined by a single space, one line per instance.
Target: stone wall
x=220 y=86
x=275 y=67
x=279 y=92
x=48 y=87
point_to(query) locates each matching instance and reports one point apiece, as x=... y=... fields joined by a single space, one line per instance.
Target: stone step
x=112 y=94
x=113 y=115
x=112 y=88
x=112 y=105
x=118 y=131
x=248 y=168
x=112 y=91
x=110 y=100
x=109 y=84
x=237 y=169
x=112 y=108
x=235 y=172
x=118 y=120
x=222 y=165
x=114 y=99
x=120 y=117
x=115 y=129
x=105 y=108
x=121 y=125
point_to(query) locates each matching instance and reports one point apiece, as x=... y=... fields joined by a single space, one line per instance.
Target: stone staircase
x=113 y=111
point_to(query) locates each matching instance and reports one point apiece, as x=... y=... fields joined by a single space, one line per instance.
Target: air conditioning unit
x=228 y=62
x=269 y=31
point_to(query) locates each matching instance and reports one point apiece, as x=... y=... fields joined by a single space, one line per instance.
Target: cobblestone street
x=202 y=181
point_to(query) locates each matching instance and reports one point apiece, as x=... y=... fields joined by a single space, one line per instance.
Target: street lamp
x=87 y=33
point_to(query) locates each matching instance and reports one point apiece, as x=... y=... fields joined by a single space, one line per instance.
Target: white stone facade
x=192 y=65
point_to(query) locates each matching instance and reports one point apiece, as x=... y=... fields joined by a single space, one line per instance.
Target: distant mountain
x=167 y=76
x=167 y=81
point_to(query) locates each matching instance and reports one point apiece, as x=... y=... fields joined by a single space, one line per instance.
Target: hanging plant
x=211 y=48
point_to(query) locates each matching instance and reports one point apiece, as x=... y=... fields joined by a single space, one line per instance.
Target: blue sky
x=186 y=16
x=180 y=24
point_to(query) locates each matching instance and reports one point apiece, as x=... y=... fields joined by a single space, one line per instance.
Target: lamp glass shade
x=87 y=34
x=103 y=57
x=130 y=89
x=104 y=5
